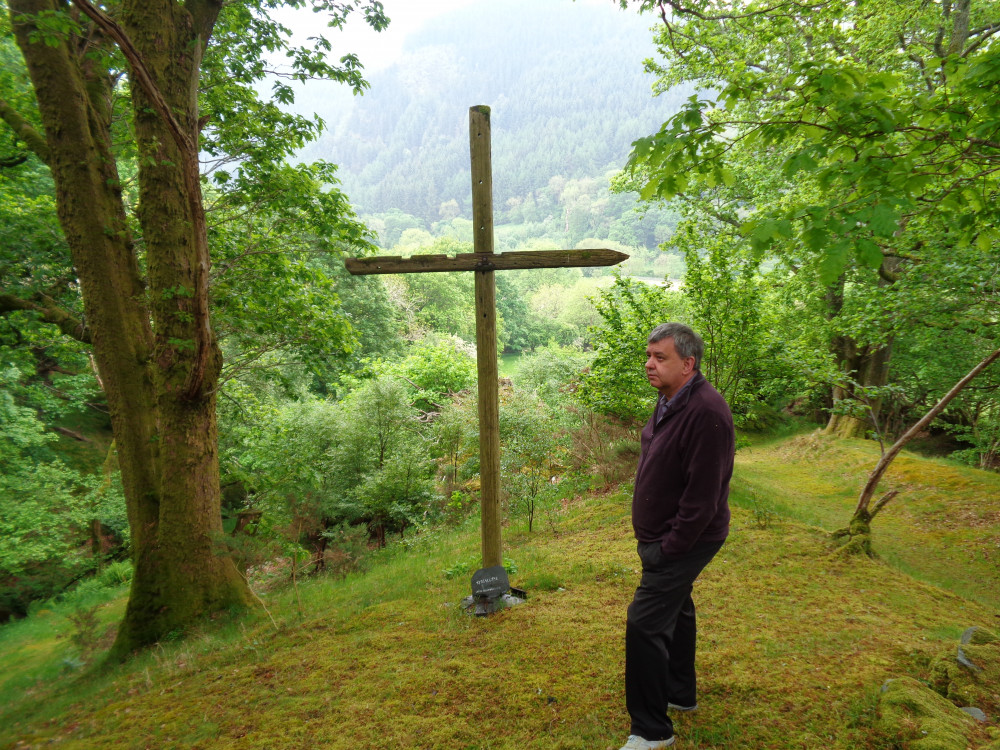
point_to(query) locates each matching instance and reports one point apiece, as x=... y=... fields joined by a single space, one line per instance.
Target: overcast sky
x=378 y=50
x=375 y=49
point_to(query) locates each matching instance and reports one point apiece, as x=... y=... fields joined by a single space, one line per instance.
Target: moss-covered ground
x=943 y=527
x=795 y=639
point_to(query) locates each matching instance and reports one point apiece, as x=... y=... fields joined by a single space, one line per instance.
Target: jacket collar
x=680 y=399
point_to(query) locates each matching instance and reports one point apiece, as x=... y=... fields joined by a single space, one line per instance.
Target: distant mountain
x=565 y=83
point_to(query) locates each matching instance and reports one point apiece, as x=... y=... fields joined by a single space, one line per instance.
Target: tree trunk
x=160 y=388
x=864 y=366
x=845 y=426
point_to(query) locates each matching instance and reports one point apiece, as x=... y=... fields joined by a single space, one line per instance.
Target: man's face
x=666 y=371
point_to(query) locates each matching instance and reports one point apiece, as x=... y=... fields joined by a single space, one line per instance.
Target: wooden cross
x=484 y=262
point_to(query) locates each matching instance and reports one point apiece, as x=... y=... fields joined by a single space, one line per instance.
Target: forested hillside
x=568 y=94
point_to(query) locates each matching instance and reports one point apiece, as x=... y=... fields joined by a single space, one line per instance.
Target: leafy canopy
x=873 y=113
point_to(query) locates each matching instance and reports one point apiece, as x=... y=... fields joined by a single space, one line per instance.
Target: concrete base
x=481 y=606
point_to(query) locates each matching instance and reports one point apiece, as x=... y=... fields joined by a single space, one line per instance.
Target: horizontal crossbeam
x=485 y=261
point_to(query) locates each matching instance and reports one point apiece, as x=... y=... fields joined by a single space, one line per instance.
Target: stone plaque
x=490 y=583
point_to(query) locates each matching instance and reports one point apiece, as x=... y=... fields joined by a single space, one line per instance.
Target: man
x=680 y=514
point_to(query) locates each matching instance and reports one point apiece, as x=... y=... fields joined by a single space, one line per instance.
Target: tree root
x=855 y=539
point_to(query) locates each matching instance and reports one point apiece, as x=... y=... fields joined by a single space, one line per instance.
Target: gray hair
x=686 y=341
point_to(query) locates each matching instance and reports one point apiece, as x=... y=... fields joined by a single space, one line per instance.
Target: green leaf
x=869 y=253
x=916 y=183
x=986 y=240
x=815 y=237
x=649 y=190
x=833 y=263
x=884 y=220
x=800 y=161
x=641 y=148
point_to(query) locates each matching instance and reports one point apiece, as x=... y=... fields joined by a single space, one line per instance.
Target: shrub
x=553 y=372
x=616 y=384
x=117 y=573
x=437 y=367
x=533 y=449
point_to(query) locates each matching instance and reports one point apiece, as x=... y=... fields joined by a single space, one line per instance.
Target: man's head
x=673 y=354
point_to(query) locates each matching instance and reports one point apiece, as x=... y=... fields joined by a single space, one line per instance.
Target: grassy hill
x=943 y=527
x=795 y=639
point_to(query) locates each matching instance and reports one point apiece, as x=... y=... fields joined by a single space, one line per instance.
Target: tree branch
x=25 y=131
x=983 y=35
x=882 y=501
x=204 y=14
x=9 y=162
x=140 y=73
x=50 y=312
x=724 y=218
x=882 y=466
x=886 y=275
x=960 y=27
x=985 y=142
x=680 y=9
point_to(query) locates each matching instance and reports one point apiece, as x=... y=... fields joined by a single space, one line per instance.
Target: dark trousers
x=660 y=637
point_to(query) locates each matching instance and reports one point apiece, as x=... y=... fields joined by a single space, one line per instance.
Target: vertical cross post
x=483 y=262
x=486 y=337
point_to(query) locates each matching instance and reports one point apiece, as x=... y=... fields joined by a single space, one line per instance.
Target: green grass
x=795 y=641
x=943 y=527
x=508 y=364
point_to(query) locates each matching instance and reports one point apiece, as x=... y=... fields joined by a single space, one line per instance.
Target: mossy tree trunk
x=862 y=366
x=157 y=357
x=865 y=367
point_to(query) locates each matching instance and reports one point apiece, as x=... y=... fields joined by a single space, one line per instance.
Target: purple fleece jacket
x=681 y=493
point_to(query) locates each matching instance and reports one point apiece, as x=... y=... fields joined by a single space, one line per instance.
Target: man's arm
x=707 y=468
